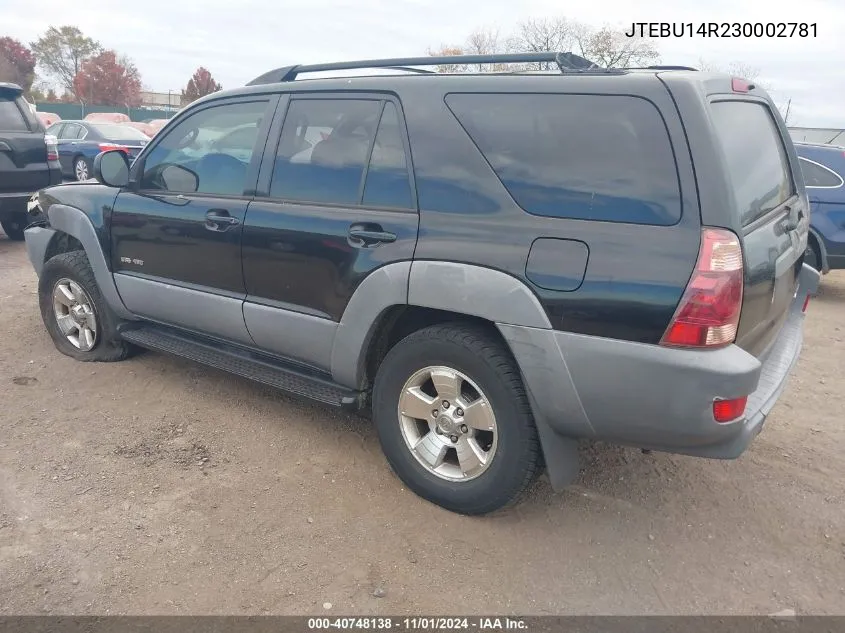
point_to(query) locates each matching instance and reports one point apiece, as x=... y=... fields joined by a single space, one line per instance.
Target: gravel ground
x=155 y=486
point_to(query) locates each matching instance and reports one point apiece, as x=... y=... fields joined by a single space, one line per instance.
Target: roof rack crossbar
x=564 y=61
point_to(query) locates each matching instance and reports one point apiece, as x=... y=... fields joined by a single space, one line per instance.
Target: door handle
x=219 y=220
x=366 y=234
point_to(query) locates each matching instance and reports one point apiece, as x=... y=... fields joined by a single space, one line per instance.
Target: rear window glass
x=114 y=132
x=756 y=158
x=11 y=119
x=816 y=175
x=591 y=157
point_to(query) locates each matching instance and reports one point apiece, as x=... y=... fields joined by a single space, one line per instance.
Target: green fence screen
x=78 y=111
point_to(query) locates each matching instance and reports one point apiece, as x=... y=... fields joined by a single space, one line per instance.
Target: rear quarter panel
x=635 y=274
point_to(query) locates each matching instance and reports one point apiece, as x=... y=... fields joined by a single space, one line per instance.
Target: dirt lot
x=158 y=486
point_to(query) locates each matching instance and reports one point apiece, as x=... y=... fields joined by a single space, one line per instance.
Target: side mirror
x=179 y=178
x=111 y=168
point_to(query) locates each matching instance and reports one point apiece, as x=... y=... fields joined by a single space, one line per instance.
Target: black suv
x=28 y=160
x=493 y=265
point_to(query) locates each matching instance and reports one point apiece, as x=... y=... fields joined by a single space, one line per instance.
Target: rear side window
x=590 y=157
x=816 y=175
x=11 y=118
x=755 y=155
x=342 y=151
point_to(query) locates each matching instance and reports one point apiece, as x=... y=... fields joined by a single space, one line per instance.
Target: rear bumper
x=14 y=202
x=655 y=397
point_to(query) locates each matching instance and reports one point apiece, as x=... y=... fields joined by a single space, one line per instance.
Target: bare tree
x=542 y=35
x=610 y=48
x=735 y=68
x=484 y=41
x=448 y=51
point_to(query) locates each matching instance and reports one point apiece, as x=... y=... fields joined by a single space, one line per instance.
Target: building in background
x=170 y=100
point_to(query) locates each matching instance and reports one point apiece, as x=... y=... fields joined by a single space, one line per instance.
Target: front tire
x=74 y=312
x=14 y=225
x=453 y=418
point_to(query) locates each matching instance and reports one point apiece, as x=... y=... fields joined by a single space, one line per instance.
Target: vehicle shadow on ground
x=829 y=293
x=610 y=475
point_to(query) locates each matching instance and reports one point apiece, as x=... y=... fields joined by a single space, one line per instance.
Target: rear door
x=68 y=139
x=23 y=153
x=335 y=201
x=770 y=213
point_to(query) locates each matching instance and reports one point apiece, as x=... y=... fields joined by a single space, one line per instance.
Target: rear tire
x=74 y=312
x=458 y=463
x=14 y=225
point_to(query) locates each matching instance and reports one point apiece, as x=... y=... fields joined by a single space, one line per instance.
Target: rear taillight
x=729 y=410
x=52 y=144
x=806 y=303
x=107 y=147
x=708 y=313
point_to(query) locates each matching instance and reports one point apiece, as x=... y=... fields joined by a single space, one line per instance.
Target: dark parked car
x=81 y=141
x=824 y=168
x=493 y=265
x=28 y=159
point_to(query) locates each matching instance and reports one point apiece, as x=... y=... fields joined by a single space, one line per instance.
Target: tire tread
x=479 y=342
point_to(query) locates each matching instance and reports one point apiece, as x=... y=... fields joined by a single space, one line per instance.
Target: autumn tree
x=199 y=85
x=51 y=96
x=106 y=80
x=17 y=63
x=61 y=53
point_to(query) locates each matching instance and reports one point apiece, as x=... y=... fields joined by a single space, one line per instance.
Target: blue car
x=823 y=167
x=80 y=142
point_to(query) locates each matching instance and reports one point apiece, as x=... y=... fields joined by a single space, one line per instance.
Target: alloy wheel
x=447 y=423
x=74 y=314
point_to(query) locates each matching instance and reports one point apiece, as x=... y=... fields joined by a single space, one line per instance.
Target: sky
x=240 y=39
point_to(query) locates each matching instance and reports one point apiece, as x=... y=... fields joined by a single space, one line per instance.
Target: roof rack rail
x=566 y=62
x=671 y=68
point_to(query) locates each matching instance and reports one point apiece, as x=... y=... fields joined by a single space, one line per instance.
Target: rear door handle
x=219 y=220
x=366 y=234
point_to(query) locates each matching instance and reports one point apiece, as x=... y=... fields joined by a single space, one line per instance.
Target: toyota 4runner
x=493 y=265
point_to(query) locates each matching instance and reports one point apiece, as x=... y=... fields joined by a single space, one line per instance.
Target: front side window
x=323 y=150
x=191 y=157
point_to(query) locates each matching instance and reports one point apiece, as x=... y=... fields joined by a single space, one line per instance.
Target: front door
x=176 y=230
x=337 y=204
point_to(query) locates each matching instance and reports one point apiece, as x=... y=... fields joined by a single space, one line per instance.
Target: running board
x=294 y=379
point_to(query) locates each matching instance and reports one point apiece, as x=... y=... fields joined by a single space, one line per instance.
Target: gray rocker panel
x=294 y=335
x=212 y=314
x=74 y=222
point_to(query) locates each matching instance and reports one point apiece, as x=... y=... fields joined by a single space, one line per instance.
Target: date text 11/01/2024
x=419 y=623
x=722 y=29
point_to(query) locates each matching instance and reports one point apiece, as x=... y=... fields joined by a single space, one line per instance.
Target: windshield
x=113 y=132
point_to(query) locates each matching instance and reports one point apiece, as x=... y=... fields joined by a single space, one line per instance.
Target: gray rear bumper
x=650 y=396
